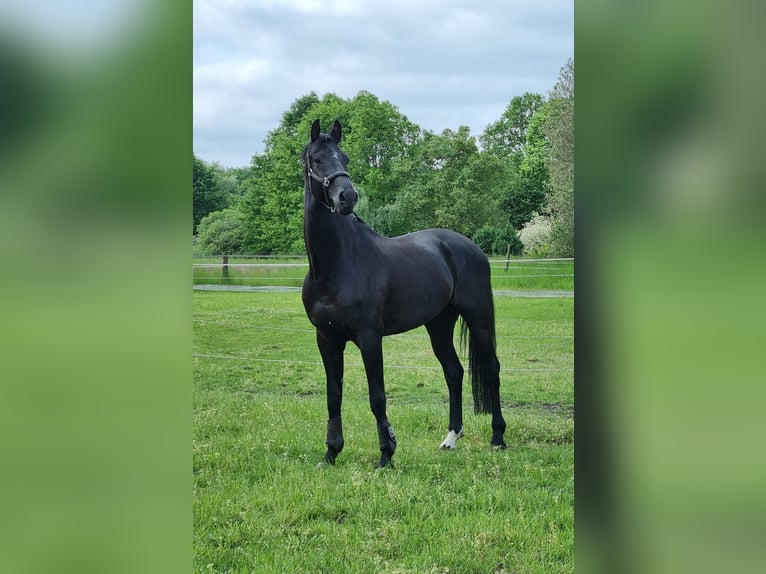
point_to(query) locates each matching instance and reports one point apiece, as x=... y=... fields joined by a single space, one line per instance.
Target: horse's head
x=326 y=175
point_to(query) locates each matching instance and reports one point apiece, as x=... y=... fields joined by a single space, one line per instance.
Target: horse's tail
x=480 y=353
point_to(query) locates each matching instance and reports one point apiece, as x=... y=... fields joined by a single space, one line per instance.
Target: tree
x=446 y=182
x=517 y=139
x=376 y=135
x=559 y=129
x=508 y=135
x=564 y=87
x=207 y=196
x=528 y=187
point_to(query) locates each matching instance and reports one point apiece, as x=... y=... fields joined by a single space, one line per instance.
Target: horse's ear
x=315 y=130
x=337 y=132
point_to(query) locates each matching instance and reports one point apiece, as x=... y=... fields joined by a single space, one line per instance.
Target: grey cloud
x=444 y=64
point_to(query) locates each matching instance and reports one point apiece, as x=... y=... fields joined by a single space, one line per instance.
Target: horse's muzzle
x=347 y=199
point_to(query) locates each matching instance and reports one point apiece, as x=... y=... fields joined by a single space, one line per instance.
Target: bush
x=505 y=236
x=484 y=237
x=495 y=240
x=536 y=236
x=222 y=232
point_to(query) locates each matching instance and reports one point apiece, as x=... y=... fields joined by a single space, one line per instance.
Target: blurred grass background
x=669 y=306
x=95 y=135
x=95 y=130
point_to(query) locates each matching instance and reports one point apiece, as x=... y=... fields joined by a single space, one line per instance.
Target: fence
x=289 y=271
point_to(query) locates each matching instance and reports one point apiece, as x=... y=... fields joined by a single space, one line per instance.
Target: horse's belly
x=406 y=311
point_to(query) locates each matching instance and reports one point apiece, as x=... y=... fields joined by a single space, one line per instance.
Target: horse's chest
x=336 y=315
x=322 y=314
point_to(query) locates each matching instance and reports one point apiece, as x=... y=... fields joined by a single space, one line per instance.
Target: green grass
x=518 y=274
x=261 y=505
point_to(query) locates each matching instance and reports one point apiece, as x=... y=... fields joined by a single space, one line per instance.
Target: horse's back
x=463 y=257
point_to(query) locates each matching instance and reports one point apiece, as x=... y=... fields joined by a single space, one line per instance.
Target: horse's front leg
x=332 y=357
x=371 y=346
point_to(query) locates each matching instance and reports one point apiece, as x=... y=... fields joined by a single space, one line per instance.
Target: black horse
x=362 y=286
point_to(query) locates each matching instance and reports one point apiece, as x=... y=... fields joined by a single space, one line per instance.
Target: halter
x=325 y=181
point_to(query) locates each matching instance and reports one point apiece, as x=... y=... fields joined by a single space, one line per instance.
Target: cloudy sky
x=443 y=63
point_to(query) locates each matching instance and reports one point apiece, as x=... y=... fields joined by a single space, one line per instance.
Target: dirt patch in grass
x=552 y=408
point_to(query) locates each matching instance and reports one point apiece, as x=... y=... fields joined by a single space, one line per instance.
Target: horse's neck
x=330 y=243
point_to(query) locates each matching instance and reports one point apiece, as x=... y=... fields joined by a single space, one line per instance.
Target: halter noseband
x=325 y=181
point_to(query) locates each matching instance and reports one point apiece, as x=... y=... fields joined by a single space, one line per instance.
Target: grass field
x=261 y=505
x=516 y=274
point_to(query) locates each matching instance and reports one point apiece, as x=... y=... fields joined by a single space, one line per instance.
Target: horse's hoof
x=449 y=442
x=385 y=463
x=498 y=446
x=328 y=461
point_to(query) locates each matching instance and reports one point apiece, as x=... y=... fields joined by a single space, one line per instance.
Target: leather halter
x=326 y=181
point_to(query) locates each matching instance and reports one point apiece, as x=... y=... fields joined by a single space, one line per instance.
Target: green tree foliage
x=517 y=138
x=230 y=181
x=222 y=232
x=508 y=135
x=444 y=182
x=376 y=134
x=559 y=129
x=410 y=179
x=207 y=195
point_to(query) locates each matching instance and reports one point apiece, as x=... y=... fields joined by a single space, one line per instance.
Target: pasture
x=261 y=505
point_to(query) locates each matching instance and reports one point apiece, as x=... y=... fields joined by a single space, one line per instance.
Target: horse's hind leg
x=441 y=330
x=486 y=368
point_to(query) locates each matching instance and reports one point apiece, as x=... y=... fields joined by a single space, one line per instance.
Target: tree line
x=511 y=186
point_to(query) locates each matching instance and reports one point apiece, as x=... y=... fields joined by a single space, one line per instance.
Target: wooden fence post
x=507 y=256
x=225 y=268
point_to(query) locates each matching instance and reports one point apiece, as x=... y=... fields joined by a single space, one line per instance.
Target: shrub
x=505 y=236
x=536 y=236
x=222 y=232
x=495 y=240
x=484 y=237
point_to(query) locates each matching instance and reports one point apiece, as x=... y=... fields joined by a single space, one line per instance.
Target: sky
x=442 y=63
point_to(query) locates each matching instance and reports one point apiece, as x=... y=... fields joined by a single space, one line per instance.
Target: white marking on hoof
x=449 y=442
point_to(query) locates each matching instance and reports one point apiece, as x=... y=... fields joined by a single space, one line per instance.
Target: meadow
x=260 y=504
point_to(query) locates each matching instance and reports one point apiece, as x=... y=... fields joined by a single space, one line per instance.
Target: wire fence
x=543 y=339
x=289 y=270
x=409 y=334
x=359 y=365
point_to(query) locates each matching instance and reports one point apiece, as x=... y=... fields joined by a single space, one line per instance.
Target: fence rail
x=554 y=274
